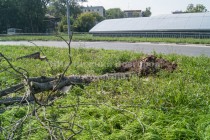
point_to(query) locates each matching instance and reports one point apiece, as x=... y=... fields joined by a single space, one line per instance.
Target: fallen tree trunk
x=74 y=80
x=140 y=67
x=18 y=87
x=11 y=89
x=42 y=84
x=10 y=101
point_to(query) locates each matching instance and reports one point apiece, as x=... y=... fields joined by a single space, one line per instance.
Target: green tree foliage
x=135 y=14
x=24 y=14
x=191 y=8
x=62 y=26
x=57 y=8
x=86 y=21
x=114 y=13
x=147 y=12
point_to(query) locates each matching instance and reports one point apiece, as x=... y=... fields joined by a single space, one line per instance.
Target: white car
x=12 y=31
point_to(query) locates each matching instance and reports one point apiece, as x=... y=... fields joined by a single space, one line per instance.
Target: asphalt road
x=148 y=48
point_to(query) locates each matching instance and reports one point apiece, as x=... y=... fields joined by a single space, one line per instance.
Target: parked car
x=12 y=31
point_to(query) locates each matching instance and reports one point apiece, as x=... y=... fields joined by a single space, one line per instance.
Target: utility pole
x=68 y=18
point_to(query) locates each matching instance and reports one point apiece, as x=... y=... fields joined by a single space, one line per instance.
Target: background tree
x=62 y=26
x=57 y=8
x=86 y=21
x=8 y=12
x=114 y=13
x=135 y=14
x=147 y=12
x=24 y=14
x=195 y=9
x=31 y=15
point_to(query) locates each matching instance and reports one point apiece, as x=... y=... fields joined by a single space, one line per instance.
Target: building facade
x=97 y=9
x=51 y=23
x=184 y=25
x=132 y=13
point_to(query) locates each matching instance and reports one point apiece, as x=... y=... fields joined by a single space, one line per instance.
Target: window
x=130 y=14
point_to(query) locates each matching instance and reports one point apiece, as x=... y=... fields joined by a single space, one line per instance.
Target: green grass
x=89 y=37
x=169 y=105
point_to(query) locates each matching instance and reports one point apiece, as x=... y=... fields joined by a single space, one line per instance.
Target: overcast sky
x=157 y=6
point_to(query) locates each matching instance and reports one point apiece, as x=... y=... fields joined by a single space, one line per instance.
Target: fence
x=41 y=34
x=200 y=35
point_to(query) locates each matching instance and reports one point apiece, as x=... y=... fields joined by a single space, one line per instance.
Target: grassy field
x=88 y=37
x=173 y=106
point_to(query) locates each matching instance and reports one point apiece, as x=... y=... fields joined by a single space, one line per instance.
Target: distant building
x=51 y=23
x=97 y=9
x=132 y=13
x=186 y=25
x=178 y=12
x=13 y=31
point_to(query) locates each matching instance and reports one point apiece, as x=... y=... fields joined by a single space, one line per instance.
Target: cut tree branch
x=41 y=84
x=10 y=101
x=18 y=87
x=35 y=55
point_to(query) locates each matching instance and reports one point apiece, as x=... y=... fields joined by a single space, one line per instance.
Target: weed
x=167 y=106
x=89 y=37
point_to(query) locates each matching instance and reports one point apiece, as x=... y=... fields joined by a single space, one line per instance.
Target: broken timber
x=41 y=84
x=140 y=67
x=35 y=55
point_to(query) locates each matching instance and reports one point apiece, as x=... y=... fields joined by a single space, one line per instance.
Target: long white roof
x=172 y=22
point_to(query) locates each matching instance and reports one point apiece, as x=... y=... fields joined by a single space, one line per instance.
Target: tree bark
x=40 y=84
x=18 y=87
x=10 y=101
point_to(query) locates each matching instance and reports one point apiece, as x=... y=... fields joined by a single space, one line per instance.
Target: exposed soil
x=148 y=65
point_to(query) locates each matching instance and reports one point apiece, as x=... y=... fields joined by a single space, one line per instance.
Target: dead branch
x=12 y=89
x=18 y=87
x=18 y=69
x=69 y=51
x=148 y=65
x=52 y=136
x=10 y=101
x=36 y=85
x=42 y=53
x=33 y=86
x=41 y=84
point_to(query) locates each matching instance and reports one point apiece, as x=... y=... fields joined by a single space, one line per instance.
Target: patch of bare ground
x=148 y=65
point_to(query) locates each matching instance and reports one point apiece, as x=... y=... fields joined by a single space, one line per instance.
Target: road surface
x=148 y=48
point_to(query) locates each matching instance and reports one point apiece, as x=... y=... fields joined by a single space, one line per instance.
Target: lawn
x=163 y=106
x=89 y=37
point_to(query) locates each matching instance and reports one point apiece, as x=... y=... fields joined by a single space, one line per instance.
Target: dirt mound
x=148 y=65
